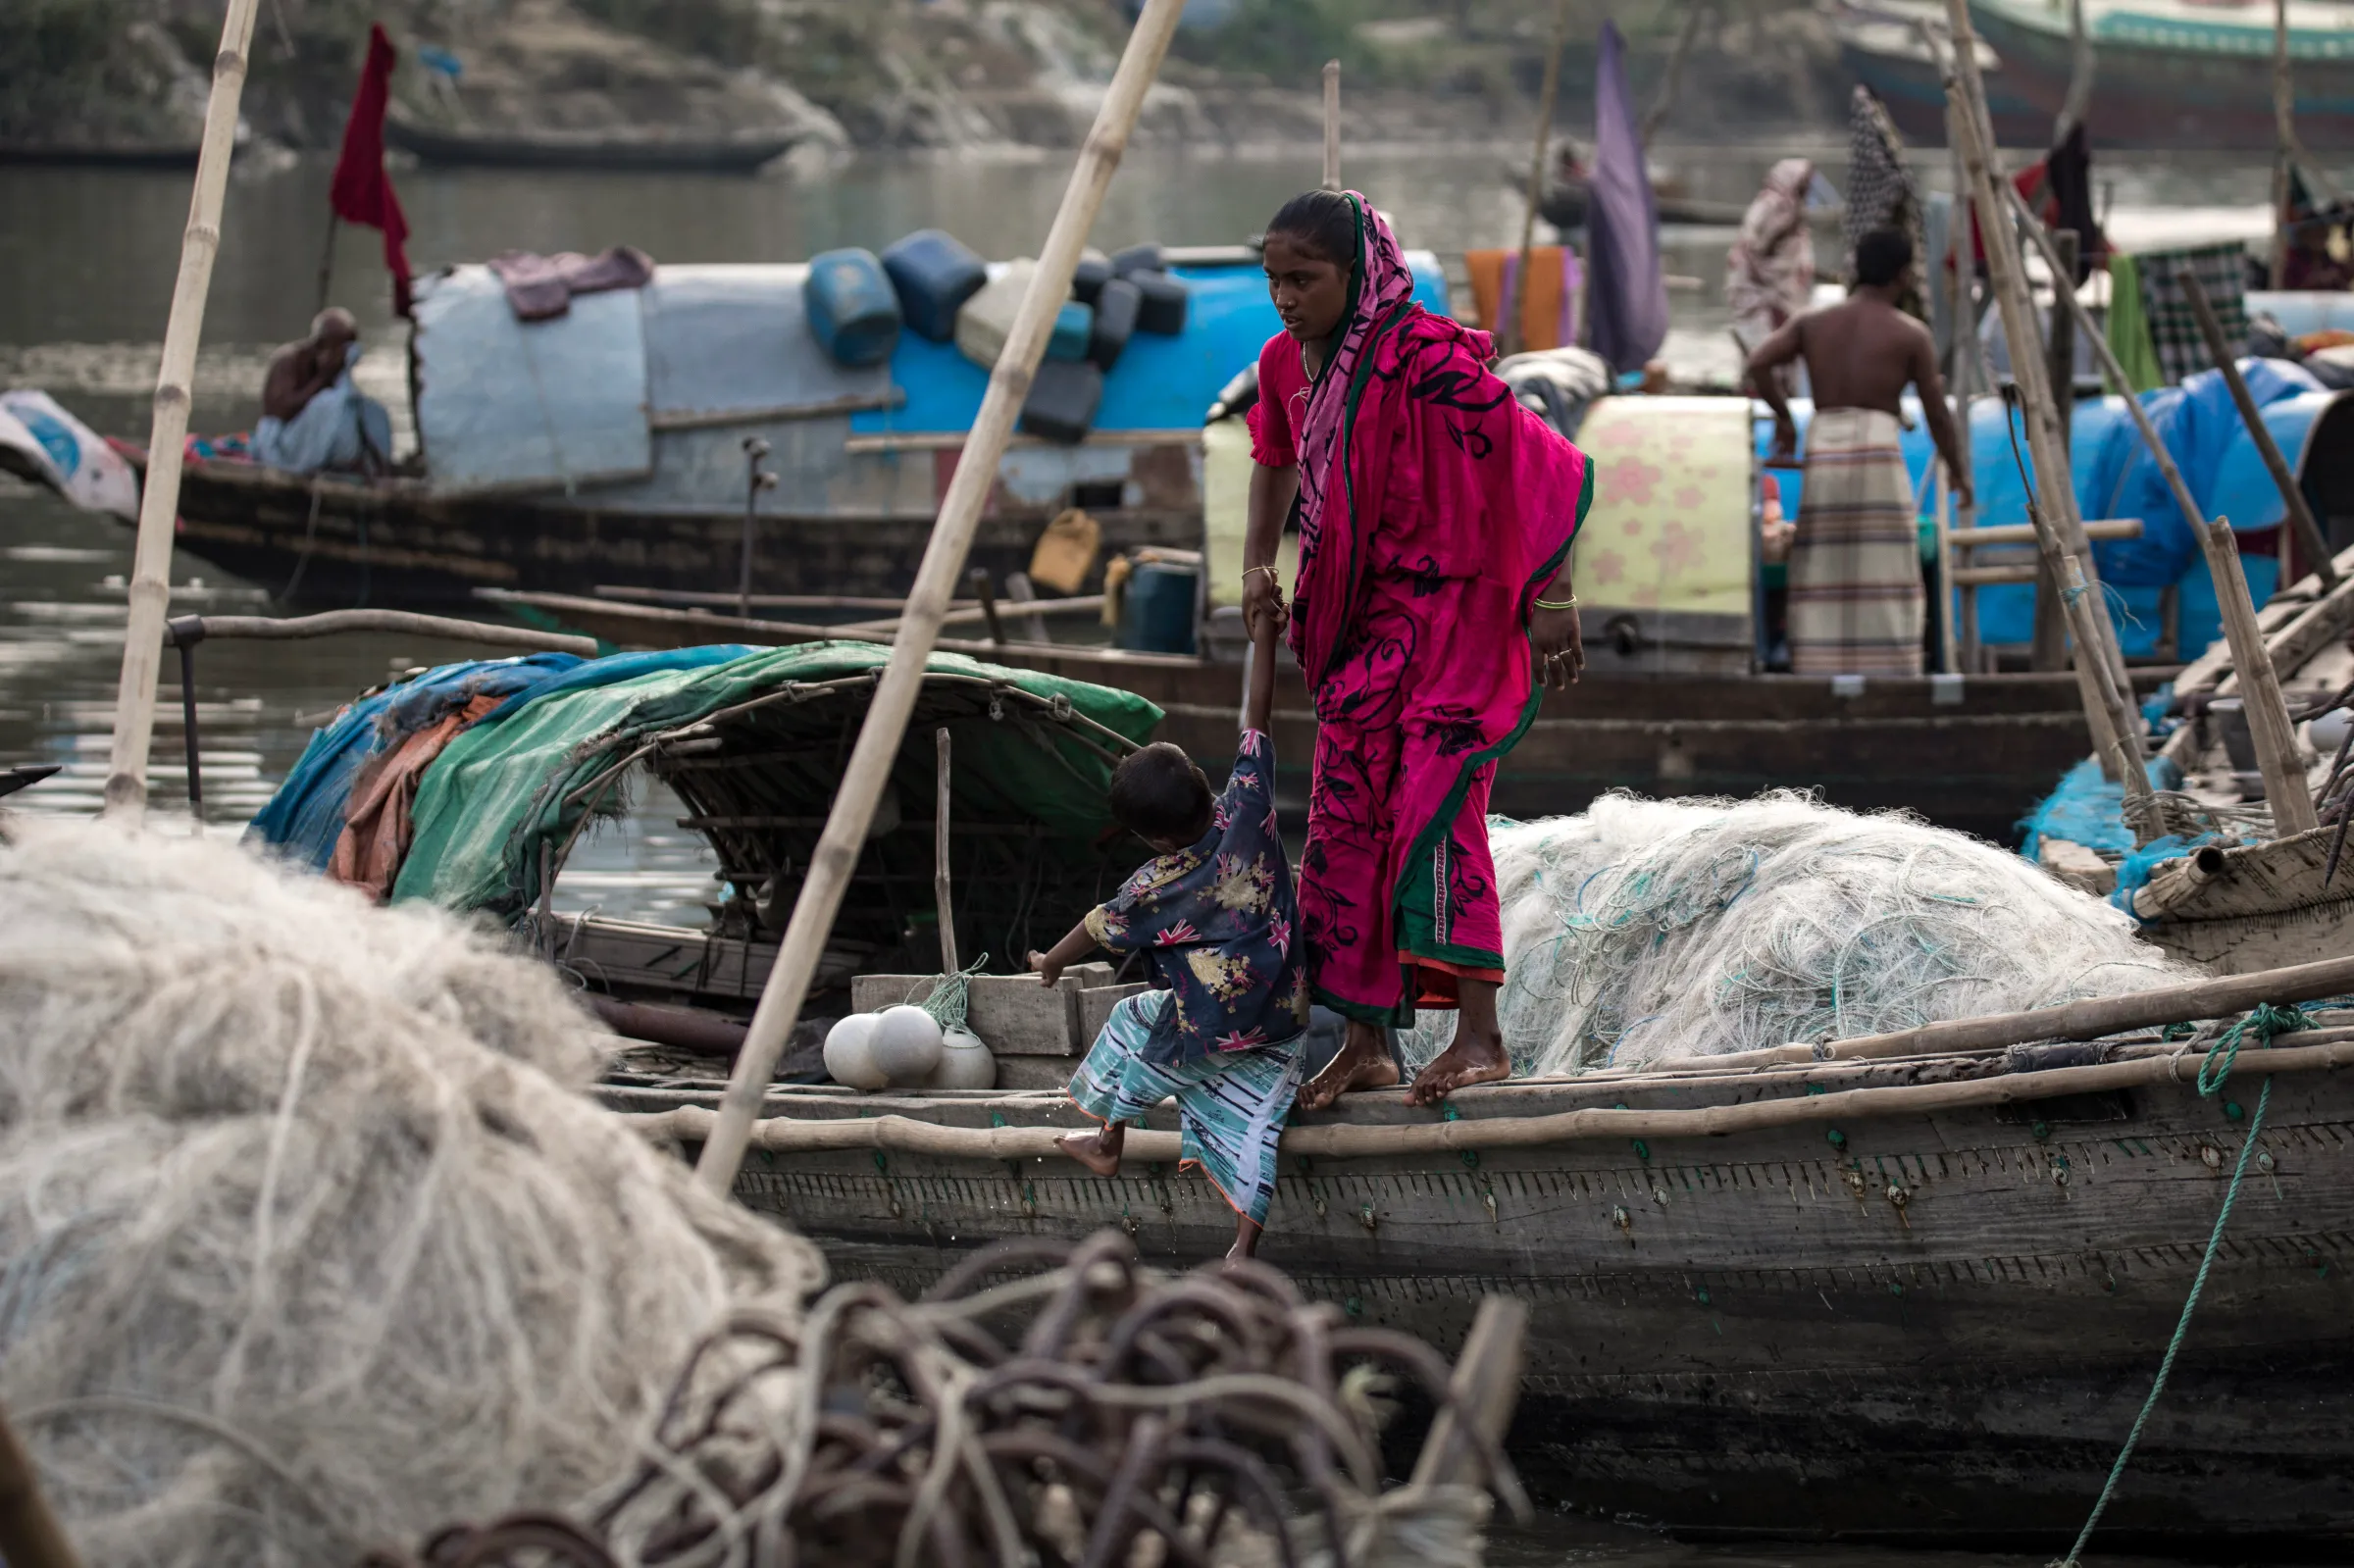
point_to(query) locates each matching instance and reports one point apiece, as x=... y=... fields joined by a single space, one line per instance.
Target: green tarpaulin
x=500 y=799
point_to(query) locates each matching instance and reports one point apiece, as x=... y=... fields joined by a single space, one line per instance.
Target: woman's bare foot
x=1474 y=1059
x=1477 y=1055
x=1099 y=1151
x=1363 y=1062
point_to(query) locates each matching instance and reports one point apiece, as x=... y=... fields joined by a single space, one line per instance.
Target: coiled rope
x=2266 y=1023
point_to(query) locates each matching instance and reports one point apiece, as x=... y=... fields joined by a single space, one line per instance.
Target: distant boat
x=1565 y=198
x=736 y=153
x=2183 y=72
x=119 y=155
x=1881 y=45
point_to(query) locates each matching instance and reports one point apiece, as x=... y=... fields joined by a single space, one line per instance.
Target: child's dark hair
x=1324 y=221
x=1158 y=793
x=1881 y=257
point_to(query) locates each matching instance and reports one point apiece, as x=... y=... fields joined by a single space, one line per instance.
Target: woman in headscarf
x=1435 y=517
x=1769 y=273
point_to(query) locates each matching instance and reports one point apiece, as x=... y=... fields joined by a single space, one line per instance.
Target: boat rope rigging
x=2266 y=1022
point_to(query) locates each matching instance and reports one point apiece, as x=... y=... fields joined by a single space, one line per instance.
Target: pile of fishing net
x=309 y=1238
x=1648 y=929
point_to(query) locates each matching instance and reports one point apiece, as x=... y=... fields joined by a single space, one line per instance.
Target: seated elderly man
x=313 y=418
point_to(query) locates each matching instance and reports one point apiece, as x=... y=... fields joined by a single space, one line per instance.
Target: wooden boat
x=329 y=541
x=107 y=155
x=1968 y=752
x=609 y=446
x=2188 y=73
x=2236 y=907
x=599 y=151
x=1910 y=1297
x=1911 y=1301
x=1881 y=46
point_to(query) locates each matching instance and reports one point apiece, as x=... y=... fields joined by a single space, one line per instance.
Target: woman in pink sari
x=1435 y=517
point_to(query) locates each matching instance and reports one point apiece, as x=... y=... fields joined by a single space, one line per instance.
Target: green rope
x=947 y=1003
x=2266 y=1022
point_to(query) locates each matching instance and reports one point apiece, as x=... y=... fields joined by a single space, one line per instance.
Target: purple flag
x=1626 y=299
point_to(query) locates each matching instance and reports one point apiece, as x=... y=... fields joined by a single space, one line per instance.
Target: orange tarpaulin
x=1545 y=319
x=376 y=825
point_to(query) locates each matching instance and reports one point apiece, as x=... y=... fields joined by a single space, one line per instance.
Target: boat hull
x=2146 y=93
x=1745 y=1334
x=597 y=153
x=329 y=545
x=1913 y=92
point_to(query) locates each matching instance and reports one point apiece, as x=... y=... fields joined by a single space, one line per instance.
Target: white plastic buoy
x=965 y=1062
x=2329 y=732
x=906 y=1044
x=851 y=1053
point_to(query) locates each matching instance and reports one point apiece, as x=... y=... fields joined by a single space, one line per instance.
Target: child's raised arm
x=1076 y=945
x=1261 y=698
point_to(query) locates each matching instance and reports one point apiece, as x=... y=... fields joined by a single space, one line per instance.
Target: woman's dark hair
x=1324 y=221
x=1881 y=257
x=1158 y=793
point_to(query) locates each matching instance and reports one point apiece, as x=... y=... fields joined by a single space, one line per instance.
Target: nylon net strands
x=1017 y=1415
x=309 y=1236
x=1647 y=929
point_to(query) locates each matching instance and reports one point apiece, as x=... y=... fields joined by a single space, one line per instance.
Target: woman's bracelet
x=1569 y=603
x=1268 y=570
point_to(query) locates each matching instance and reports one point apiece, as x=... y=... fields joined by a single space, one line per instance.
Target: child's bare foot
x=1099 y=1151
x=1245 y=1239
x=1475 y=1057
x=1363 y=1062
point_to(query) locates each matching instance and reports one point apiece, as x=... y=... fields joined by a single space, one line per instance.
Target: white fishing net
x=1647 y=929
x=309 y=1238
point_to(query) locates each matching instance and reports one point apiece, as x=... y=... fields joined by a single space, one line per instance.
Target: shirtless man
x=300 y=372
x=1856 y=600
x=313 y=419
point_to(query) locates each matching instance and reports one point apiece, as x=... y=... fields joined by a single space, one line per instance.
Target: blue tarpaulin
x=2116 y=477
x=1161 y=382
x=304 y=818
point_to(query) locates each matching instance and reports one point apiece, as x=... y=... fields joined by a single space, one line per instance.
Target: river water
x=86 y=267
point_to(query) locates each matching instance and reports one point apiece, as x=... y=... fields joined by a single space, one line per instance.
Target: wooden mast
x=1332 y=126
x=1507 y=330
x=2108 y=709
x=878 y=747
x=159 y=501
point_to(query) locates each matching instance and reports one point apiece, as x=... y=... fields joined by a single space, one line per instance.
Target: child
x=1213 y=914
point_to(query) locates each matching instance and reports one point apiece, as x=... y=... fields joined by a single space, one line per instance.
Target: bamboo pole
x=1671 y=80
x=1485 y=1388
x=2060 y=364
x=2260 y=696
x=159 y=500
x=189 y=630
x=908 y=1135
x=940 y=891
x=1948 y=656
x=2301 y=522
x=2124 y=759
x=2089 y=1019
x=1962 y=317
x=2079 y=74
x=2053 y=475
x=1332 y=126
x=871 y=760
x=2284 y=140
x=1507 y=335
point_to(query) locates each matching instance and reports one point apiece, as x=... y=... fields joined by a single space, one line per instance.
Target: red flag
x=362 y=192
